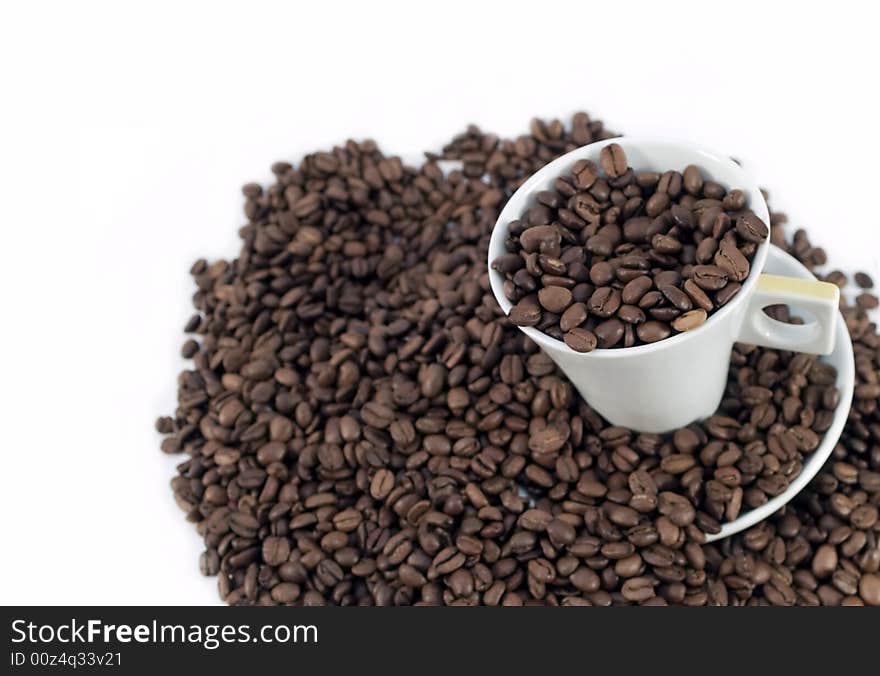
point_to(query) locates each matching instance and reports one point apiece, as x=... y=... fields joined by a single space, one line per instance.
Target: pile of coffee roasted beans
x=617 y=258
x=363 y=425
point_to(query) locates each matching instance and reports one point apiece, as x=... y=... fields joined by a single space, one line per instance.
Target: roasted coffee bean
x=634 y=290
x=676 y=296
x=535 y=520
x=554 y=299
x=573 y=317
x=864 y=280
x=824 y=561
x=678 y=463
x=275 y=550
x=631 y=314
x=381 y=484
x=540 y=238
x=665 y=244
x=869 y=589
x=601 y=273
x=652 y=331
x=585 y=174
x=726 y=293
x=656 y=205
x=561 y=532
x=613 y=160
x=585 y=580
x=698 y=296
x=604 y=302
x=867 y=301
x=710 y=277
x=527 y=312
x=689 y=320
x=581 y=340
x=638 y=589
x=676 y=508
x=599 y=245
x=693 y=180
x=732 y=262
x=751 y=228
x=609 y=333
x=361 y=426
x=549 y=439
x=667 y=278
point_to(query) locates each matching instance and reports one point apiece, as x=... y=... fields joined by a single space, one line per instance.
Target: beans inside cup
x=614 y=257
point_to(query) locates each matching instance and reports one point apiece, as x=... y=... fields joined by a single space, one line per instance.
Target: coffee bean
x=285 y=593
x=604 y=302
x=507 y=263
x=602 y=273
x=824 y=561
x=697 y=295
x=599 y=245
x=677 y=508
x=676 y=296
x=555 y=299
x=609 y=333
x=636 y=289
x=751 y=228
x=683 y=217
x=275 y=550
x=581 y=340
x=864 y=281
x=706 y=250
x=377 y=415
x=631 y=314
x=732 y=262
x=727 y=292
x=867 y=301
x=665 y=244
x=209 y=562
x=845 y=581
x=561 y=533
x=667 y=278
x=548 y=440
x=693 y=180
x=656 y=205
x=652 y=331
x=686 y=440
x=689 y=320
x=527 y=312
x=382 y=484
x=573 y=317
x=677 y=463
x=869 y=589
x=585 y=174
x=710 y=277
x=540 y=238
x=638 y=589
x=613 y=160
x=535 y=520
x=621 y=515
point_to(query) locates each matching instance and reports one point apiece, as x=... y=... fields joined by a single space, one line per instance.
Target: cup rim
x=515 y=207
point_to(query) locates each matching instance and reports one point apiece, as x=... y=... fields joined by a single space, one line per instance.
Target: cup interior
x=643 y=154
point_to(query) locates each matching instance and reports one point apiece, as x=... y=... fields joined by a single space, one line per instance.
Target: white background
x=126 y=131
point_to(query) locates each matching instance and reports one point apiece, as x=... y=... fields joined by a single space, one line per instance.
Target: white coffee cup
x=669 y=384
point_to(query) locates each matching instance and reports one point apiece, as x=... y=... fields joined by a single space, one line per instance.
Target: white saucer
x=780 y=263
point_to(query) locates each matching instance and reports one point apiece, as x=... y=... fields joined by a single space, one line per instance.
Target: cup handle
x=820 y=299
